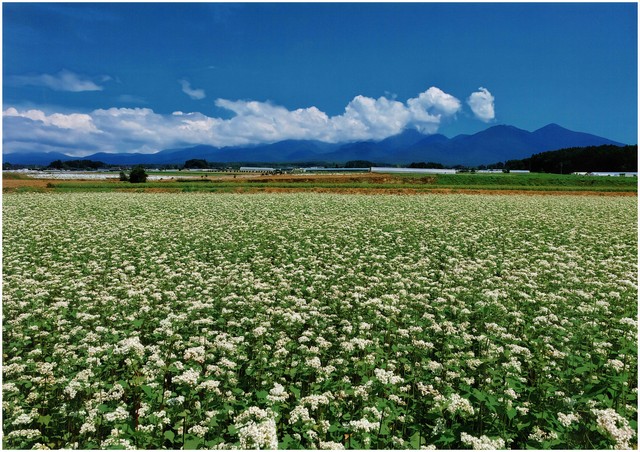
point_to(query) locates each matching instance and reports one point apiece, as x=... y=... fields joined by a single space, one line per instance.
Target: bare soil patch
x=372 y=178
x=10 y=185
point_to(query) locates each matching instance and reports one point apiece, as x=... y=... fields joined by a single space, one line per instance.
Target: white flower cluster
x=196 y=354
x=188 y=377
x=568 y=419
x=330 y=445
x=612 y=424
x=363 y=425
x=120 y=414
x=457 y=404
x=387 y=377
x=299 y=413
x=482 y=443
x=277 y=393
x=129 y=345
x=539 y=435
x=257 y=429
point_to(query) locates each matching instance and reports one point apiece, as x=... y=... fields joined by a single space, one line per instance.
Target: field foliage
x=319 y=321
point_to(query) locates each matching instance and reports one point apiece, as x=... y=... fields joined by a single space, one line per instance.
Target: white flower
x=196 y=354
x=189 y=377
x=568 y=419
x=120 y=414
x=387 y=377
x=257 y=429
x=330 y=445
x=615 y=426
x=482 y=443
x=277 y=393
x=198 y=430
x=299 y=413
x=24 y=418
x=363 y=425
x=130 y=345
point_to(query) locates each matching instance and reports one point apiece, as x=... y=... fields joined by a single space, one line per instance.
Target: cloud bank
x=481 y=104
x=143 y=130
x=62 y=81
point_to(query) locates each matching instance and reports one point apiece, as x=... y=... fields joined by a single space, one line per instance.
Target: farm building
x=321 y=169
x=256 y=169
x=607 y=173
x=382 y=169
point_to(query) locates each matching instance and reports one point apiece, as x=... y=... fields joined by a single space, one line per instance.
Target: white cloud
x=430 y=107
x=62 y=81
x=366 y=118
x=75 y=121
x=196 y=94
x=481 y=103
x=253 y=122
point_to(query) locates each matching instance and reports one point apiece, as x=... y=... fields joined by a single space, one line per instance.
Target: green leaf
x=295 y=391
x=169 y=435
x=511 y=413
x=192 y=443
x=415 y=440
x=44 y=420
x=479 y=395
x=262 y=394
x=285 y=443
x=148 y=390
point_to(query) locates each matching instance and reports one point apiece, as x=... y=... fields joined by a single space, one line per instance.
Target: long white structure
x=322 y=169
x=255 y=169
x=607 y=173
x=384 y=169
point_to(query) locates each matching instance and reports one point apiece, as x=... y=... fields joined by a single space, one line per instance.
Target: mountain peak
x=550 y=127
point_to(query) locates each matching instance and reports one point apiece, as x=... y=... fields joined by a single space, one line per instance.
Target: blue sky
x=143 y=77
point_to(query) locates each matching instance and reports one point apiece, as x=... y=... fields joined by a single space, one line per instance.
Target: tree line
x=588 y=159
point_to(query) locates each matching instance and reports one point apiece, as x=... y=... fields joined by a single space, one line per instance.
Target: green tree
x=138 y=175
x=196 y=164
x=56 y=164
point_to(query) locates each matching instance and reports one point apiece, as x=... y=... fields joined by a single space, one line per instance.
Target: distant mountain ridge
x=495 y=144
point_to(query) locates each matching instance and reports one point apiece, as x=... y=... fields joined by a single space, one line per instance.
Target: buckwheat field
x=319 y=321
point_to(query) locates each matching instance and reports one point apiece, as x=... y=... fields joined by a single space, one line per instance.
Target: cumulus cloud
x=74 y=121
x=62 y=81
x=430 y=107
x=196 y=94
x=253 y=122
x=481 y=103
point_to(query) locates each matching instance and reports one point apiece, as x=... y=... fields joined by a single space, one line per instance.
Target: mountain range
x=495 y=144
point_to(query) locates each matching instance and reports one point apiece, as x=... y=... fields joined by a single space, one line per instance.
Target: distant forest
x=583 y=159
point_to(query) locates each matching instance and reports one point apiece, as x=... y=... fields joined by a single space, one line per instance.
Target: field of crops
x=319 y=321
